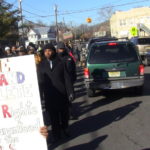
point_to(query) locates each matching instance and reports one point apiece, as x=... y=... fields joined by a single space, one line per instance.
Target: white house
x=41 y=35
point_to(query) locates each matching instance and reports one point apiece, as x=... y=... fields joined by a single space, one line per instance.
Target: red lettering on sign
x=5 y=111
x=3 y=80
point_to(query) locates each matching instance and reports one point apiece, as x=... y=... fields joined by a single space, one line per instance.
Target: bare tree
x=41 y=23
x=105 y=13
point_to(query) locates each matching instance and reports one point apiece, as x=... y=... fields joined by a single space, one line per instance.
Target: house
x=102 y=29
x=41 y=35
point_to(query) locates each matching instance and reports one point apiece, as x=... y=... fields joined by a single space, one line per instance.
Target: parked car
x=113 y=65
x=143 y=46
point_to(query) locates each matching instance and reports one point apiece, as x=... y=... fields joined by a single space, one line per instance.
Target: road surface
x=118 y=120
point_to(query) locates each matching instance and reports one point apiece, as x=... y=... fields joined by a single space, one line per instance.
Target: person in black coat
x=69 y=62
x=56 y=87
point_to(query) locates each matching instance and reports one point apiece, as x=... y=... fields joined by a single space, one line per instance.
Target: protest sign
x=20 y=106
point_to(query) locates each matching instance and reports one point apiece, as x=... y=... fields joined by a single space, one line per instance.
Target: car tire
x=138 y=90
x=91 y=93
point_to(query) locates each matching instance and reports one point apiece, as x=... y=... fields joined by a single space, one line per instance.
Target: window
x=112 y=54
x=120 y=22
x=144 y=41
x=124 y=22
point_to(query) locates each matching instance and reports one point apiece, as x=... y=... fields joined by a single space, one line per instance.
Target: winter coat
x=55 y=84
x=70 y=66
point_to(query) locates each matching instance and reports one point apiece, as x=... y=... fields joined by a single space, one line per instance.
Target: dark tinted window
x=144 y=41
x=100 y=40
x=112 y=54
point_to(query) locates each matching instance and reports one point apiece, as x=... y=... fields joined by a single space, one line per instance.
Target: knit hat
x=49 y=46
x=61 y=45
x=7 y=48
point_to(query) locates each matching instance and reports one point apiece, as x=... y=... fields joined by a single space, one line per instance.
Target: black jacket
x=55 y=84
x=70 y=66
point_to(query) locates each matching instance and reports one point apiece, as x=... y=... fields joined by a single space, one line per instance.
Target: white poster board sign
x=20 y=106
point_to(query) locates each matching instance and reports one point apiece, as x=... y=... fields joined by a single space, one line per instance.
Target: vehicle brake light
x=112 y=44
x=141 y=70
x=86 y=73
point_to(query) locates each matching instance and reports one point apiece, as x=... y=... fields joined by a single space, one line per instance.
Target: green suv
x=113 y=65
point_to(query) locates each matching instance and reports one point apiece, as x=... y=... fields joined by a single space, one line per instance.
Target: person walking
x=8 y=52
x=21 y=51
x=68 y=60
x=56 y=87
x=71 y=68
x=14 y=51
x=70 y=51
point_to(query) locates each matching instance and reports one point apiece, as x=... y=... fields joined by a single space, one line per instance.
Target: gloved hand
x=71 y=97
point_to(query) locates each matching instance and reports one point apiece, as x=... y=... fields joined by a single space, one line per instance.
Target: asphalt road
x=118 y=120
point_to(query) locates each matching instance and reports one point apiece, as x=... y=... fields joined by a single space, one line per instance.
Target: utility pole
x=56 y=21
x=64 y=22
x=75 y=34
x=73 y=28
x=21 y=16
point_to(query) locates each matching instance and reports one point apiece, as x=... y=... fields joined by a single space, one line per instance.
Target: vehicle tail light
x=86 y=73
x=141 y=70
x=112 y=44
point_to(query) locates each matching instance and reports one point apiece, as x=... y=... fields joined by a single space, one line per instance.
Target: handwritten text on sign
x=20 y=107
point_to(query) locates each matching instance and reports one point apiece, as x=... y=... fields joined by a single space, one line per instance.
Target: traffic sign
x=134 y=31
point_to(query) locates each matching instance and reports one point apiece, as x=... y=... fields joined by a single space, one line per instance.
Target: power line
x=14 y=2
x=25 y=3
x=106 y=5
x=80 y=11
x=88 y=10
x=26 y=10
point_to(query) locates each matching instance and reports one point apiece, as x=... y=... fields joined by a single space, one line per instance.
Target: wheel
x=138 y=90
x=91 y=93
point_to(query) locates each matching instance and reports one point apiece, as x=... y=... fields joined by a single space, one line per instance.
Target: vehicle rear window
x=101 y=39
x=144 y=41
x=112 y=54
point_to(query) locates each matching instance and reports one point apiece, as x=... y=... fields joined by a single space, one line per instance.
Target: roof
x=43 y=30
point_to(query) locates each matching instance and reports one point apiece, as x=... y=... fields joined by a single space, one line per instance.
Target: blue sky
x=46 y=7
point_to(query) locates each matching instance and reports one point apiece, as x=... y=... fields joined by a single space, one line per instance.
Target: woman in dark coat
x=56 y=87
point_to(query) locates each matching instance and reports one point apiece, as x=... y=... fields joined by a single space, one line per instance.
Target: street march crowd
x=56 y=72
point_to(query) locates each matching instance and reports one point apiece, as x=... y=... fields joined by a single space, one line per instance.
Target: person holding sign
x=56 y=87
x=44 y=131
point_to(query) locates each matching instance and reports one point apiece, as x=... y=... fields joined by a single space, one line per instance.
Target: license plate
x=114 y=74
